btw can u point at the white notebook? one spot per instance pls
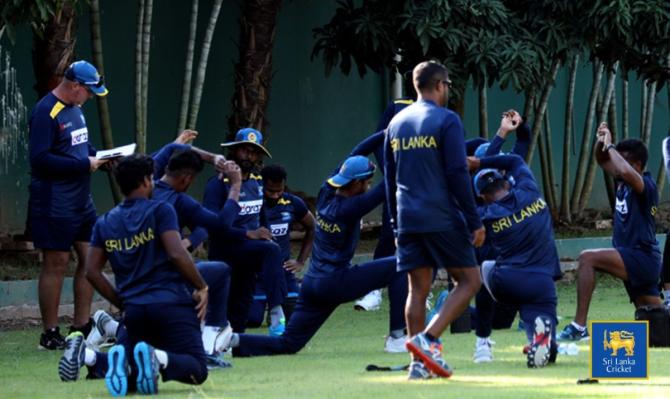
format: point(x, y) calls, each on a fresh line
point(116, 152)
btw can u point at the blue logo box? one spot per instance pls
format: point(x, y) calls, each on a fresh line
point(620, 349)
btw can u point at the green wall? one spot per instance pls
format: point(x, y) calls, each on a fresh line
point(314, 119)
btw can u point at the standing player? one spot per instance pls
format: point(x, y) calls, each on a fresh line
point(665, 275)
point(163, 296)
point(61, 209)
point(247, 247)
point(433, 210)
point(635, 258)
point(519, 230)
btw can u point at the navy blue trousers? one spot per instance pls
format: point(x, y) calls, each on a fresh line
point(217, 277)
point(533, 293)
point(319, 297)
point(246, 258)
point(169, 327)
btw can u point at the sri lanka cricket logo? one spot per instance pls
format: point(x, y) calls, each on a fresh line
point(619, 339)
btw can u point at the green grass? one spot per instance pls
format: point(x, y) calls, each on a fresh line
point(332, 365)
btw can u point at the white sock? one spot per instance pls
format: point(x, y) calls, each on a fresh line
point(482, 341)
point(666, 294)
point(276, 315)
point(89, 357)
point(578, 327)
point(162, 358)
point(235, 341)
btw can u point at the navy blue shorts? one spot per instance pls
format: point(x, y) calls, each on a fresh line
point(59, 234)
point(644, 271)
point(445, 249)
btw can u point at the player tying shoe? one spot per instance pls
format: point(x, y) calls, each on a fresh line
point(154, 276)
point(635, 258)
point(518, 225)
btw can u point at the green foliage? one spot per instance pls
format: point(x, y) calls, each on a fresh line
point(36, 13)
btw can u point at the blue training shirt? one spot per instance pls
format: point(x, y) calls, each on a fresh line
point(130, 235)
point(59, 166)
point(428, 184)
point(519, 225)
point(278, 218)
point(634, 222)
point(193, 215)
point(338, 227)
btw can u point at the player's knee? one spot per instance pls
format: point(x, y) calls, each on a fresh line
point(201, 375)
point(586, 259)
point(292, 347)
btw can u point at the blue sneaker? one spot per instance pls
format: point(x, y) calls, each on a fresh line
point(217, 362)
point(571, 333)
point(418, 371)
point(147, 366)
point(116, 378)
point(73, 357)
point(278, 330)
point(430, 353)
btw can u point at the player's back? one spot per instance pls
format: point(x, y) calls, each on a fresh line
point(418, 136)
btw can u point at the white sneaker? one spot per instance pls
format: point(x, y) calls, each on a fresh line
point(372, 301)
point(483, 351)
point(216, 339)
point(104, 329)
point(395, 345)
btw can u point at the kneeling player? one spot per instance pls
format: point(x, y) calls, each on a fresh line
point(153, 273)
point(518, 224)
point(635, 258)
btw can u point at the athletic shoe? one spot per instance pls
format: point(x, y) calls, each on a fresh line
point(73, 357)
point(371, 301)
point(395, 345)
point(116, 378)
point(430, 353)
point(483, 351)
point(85, 329)
point(274, 331)
point(147, 366)
point(217, 362)
point(571, 333)
point(99, 334)
point(418, 371)
point(540, 349)
point(216, 339)
point(666, 303)
point(51, 340)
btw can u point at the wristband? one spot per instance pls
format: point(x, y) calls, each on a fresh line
point(609, 147)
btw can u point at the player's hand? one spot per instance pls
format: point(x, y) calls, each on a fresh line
point(478, 237)
point(260, 233)
point(604, 135)
point(109, 165)
point(233, 172)
point(219, 163)
point(201, 297)
point(186, 243)
point(96, 163)
point(473, 163)
point(186, 136)
point(293, 265)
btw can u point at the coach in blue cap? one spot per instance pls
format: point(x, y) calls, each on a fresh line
point(60, 205)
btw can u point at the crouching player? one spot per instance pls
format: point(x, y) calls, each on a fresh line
point(155, 277)
point(635, 258)
point(518, 224)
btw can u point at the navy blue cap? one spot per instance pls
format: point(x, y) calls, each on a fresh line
point(84, 73)
point(354, 168)
point(485, 177)
point(248, 136)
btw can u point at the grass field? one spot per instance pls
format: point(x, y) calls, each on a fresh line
point(333, 365)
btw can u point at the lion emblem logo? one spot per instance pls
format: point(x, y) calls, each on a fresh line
point(252, 137)
point(619, 339)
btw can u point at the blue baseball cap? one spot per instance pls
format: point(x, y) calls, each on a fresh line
point(248, 136)
point(485, 177)
point(84, 73)
point(354, 168)
point(480, 152)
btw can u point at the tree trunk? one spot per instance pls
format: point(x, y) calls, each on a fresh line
point(202, 65)
point(625, 130)
point(483, 112)
point(103, 107)
point(53, 49)
point(146, 47)
point(567, 138)
point(253, 72)
point(591, 172)
point(551, 194)
point(140, 137)
point(188, 68)
point(612, 123)
point(544, 100)
point(585, 149)
point(529, 105)
point(644, 110)
point(649, 117)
